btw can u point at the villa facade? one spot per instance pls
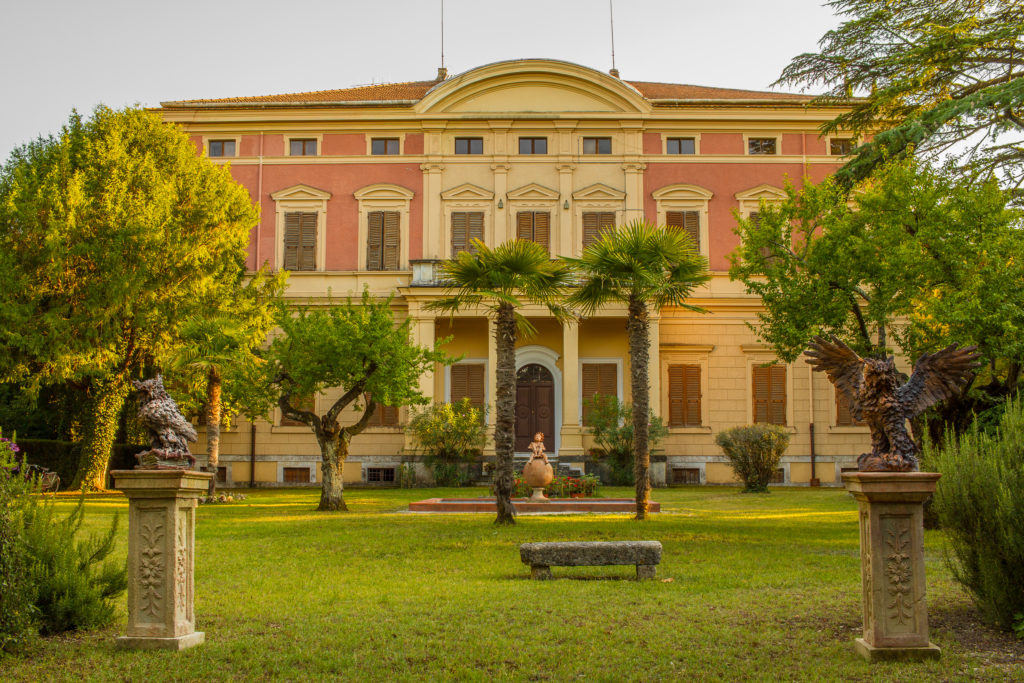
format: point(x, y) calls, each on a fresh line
point(373, 186)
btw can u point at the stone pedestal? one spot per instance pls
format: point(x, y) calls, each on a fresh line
point(892, 563)
point(161, 556)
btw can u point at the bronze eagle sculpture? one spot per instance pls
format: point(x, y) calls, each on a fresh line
point(876, 395)
point(169, 431)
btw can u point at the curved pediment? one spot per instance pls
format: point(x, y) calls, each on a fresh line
point(533, 86)
point(383, 191)
point(766, 192)
point(682, 191)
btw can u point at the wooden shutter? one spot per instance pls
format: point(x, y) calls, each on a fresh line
point(770, 394)
point(524, 225)
point(542, 228)
point(307, 241)
point(392, 240)
point(467, 381)
point(594, 222)
point(688, 221)
point(383, 416)
point(684, 396)
point(476, 230)
point(844, 412)
point(598, 379)
point(291, 241)
point(466, 227)
point(375, 240)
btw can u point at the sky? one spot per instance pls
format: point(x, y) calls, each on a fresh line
point(125, 52)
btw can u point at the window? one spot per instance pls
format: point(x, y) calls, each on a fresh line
point(384, 146)
point(778, 476)
point(382, 240)
point(299, 403)
point(466, 227)
point(295, 475)
point(534, 226)
point(597, 145)
point(839, 147)
point(300, 240)
point(222, 148)
point(222, 474)
point(685, 475)
point(770, 394)
point(599, 380)
point(469, 145)
point(383, 416)
point(684, 396)
point(466, 380)
point(380, 474)
point(844, 412)
point(761, 145)
point(688, 221)
point(680, 146)
point(302, 147)
point(593, 223)
point(533, 145)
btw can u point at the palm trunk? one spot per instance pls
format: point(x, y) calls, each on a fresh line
point(505, 412)
point(213, 387)
point(100, 430)
point(333, 452)
point(637, 325)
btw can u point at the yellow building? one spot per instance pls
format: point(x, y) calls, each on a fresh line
point(373, 186)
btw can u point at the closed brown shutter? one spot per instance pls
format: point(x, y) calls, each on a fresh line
point(300, 241)
point(374, 240)
point(598, 379)
point(689, 221)
point(844, 412)
point(383, 416)
point(392, 239)
point(467, 381)
point(524, 225)
point(534, 226)
point(684, 396)
point(770, 394)
point(466, 227)
point(593, 223)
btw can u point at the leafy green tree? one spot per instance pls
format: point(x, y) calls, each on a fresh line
point(501, 281)
point(358, 348)
point(914, 259)
point(645, 267)
point(220, 364)
point(111, 234)
point(936, 76)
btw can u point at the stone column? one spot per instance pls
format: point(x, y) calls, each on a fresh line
point(654, 365)
point(161, 556)
point(571, 445)
point(892, 563)
point(422, 329)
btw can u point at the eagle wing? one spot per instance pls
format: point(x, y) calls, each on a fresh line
point(936, 377)
point(845, 369)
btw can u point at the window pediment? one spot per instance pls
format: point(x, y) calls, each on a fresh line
point(467, 191)
point(533, 191)
point(383, 191)
point(300, 193)
point(766, 192)
point(598, 192)
point(682, 192)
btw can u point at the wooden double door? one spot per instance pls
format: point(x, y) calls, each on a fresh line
point(535, 407)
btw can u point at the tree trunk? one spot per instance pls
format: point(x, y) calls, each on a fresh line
point(637, 325)
point(98, 435)
point(333, 452)
point(213, 387)
point(505, 412)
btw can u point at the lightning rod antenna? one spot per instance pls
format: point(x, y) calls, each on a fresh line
point(611, 18)
point(442, 72)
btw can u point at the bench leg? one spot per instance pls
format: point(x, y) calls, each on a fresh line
point(645, 571)
point(540, 572)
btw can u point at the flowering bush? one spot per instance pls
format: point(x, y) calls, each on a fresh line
point(584, 486)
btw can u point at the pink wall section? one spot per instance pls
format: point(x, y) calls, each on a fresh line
point(652, 143)
point(721, 143)
point(342, 231)
point(273, 145)
point(414, 143)
point(250, 146)
point(344, 144)
point(724, 180)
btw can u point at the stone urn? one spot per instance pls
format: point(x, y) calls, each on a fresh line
point(537, 474)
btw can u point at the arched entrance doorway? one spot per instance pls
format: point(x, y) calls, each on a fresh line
point(535, 406)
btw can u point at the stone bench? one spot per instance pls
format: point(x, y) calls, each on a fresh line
point(542, 556)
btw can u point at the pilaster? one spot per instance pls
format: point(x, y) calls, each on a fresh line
point(654, 365)
point(433, 227)
point(572, 432)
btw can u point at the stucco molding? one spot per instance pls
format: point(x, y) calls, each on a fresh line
point(467, 191)
point(533, 192)
point(598, 192)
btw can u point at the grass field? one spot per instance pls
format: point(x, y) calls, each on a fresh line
point(750, 587)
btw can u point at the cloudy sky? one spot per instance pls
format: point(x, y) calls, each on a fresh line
point(65, 54)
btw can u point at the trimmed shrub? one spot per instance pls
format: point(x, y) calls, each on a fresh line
point(450, 434)
point(17, 593)
point(611, 425)
point(980, 505)
point(754, 451)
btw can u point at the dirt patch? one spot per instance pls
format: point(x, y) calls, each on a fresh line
point(977, 638)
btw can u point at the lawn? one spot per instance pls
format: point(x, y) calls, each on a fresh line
point(750, 587)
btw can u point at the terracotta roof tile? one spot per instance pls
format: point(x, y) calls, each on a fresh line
point(415, 90)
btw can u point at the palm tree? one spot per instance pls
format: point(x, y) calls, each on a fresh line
point(499, 281)
point(645, 267)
